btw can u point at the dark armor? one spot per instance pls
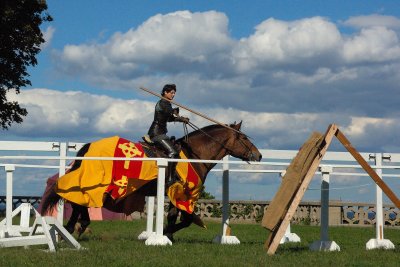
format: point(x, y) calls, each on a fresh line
point(163, 113)
point(158, 132)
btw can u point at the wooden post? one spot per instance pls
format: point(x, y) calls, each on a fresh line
point(275, 236)
point(385, 188)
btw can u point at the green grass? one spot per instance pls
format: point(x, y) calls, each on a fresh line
point(115, 244)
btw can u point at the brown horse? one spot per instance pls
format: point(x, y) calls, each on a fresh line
point(209, 143)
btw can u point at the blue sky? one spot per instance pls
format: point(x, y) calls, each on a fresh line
point(286, 68)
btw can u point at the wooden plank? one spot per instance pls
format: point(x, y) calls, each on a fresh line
point(385, 188)
point(294, 175)
point(275, 237)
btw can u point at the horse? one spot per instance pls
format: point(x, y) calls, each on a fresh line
point(212, 142)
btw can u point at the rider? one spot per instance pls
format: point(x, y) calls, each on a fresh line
point(158, 130)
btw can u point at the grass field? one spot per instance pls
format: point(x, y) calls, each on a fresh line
point(115, 244)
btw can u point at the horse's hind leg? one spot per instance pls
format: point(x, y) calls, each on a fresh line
point(81, 213)
point(73, 219)
point(84, 220)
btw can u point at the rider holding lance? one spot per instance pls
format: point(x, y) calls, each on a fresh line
point(158, 130)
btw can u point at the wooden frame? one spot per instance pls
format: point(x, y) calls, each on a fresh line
point(278, 232)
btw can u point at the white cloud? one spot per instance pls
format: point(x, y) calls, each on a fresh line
point(372, 21)
point(189, 36)
point(359, 125)
point(74, 114)
point(276, 41)
point(375, 44)
point(200, 43)
point(121, 116)
point(284, 80)
point(165, 43)
point(47, 36)
point(77, 115)
point(295, 66)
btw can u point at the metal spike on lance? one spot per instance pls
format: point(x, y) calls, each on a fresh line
point(190, 110)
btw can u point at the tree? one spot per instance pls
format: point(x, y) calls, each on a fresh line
point(206, 195)
point(20, 40)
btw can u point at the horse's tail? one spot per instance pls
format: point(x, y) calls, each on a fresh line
point(52, 198)
point(50, 201)
point(80, 153)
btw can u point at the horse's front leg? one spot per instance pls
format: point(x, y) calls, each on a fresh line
point(171, 221)
point(186, 221)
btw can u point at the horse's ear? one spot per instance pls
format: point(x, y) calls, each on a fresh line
point(237, 126)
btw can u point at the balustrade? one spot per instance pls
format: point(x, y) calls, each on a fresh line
point(308, 212)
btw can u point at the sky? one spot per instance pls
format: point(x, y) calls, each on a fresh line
point(285, 68)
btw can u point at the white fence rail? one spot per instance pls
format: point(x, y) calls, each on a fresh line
point(276, 161)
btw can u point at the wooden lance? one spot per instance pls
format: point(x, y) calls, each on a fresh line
point(190, 110)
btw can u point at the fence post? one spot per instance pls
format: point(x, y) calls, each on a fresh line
point(9, 168)
point(6, 227)
point(61, 172)
point(225, 237)
point(379, 241)
point(149, 220)
point(159, 238)
point(324, 243)
point(289, 236)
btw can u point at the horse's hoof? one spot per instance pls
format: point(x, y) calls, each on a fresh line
point(170, 237)
point(69, 229)
point(82, 227)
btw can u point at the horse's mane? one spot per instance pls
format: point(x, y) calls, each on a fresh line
point(200, 131)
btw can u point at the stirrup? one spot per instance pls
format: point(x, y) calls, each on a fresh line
point(147, 139)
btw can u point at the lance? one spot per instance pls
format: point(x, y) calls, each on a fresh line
point(188, 109)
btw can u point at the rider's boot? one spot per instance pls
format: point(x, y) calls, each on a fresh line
point(172, 175)
point(172, 154)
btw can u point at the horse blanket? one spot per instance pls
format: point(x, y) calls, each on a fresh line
point(87, 185)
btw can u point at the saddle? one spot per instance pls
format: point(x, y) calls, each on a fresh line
point(152, 150)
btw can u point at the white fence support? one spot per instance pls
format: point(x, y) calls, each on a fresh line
point(324, 244)
point(289, 237)
point(150, 219)
point(61, 172)
point(225, 237)
point(10, 235)
point(379, 241)
point(9, 232)
point(159, 238)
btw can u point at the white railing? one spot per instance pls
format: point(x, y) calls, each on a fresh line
point(333, 164)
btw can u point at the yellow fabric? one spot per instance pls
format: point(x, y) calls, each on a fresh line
point(148, 172)
point(86, 185)
point(185, 193)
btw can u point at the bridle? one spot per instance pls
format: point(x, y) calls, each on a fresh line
point(247, 155)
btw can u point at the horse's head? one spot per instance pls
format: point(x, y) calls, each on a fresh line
point(239, 145)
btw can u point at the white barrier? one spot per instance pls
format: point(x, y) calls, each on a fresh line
point(283, 158)
point(43, 231)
